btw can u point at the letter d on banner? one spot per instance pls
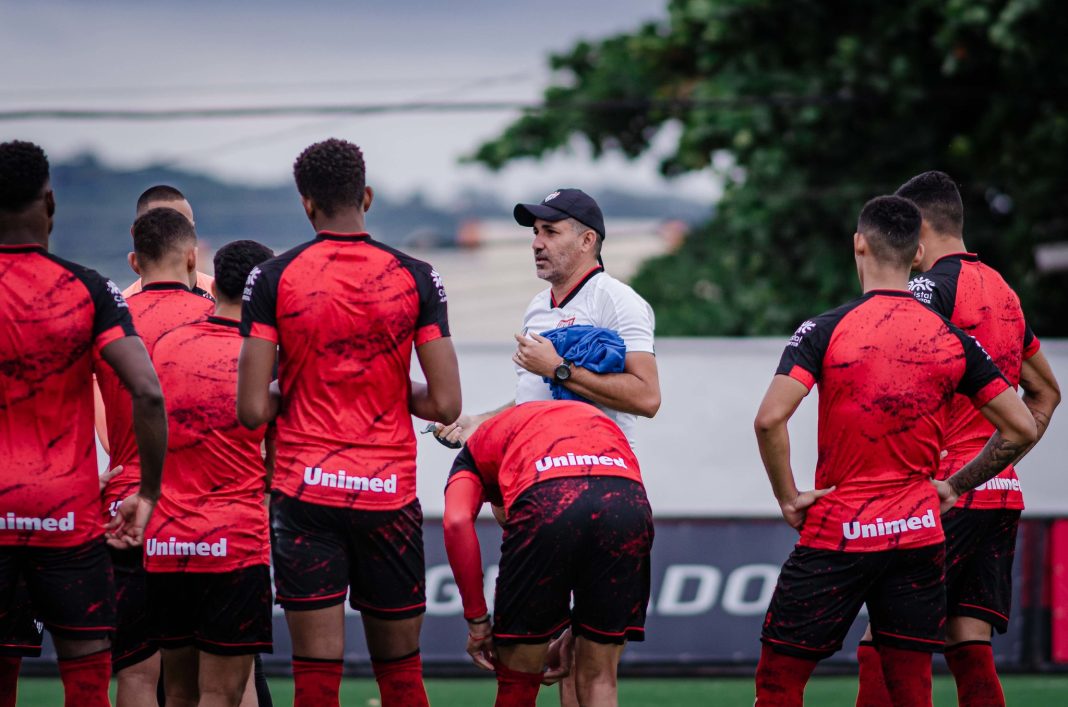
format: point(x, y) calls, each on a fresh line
point(673, 591)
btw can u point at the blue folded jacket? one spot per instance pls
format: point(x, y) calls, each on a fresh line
point(594, 348)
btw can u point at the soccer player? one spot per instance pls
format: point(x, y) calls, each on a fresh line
point(578, 521)
point(981, 529)
point(887, 368)
point(168, 197)
point(165, 257)
point(344, 311)
point(206, 547)
point(54, 315)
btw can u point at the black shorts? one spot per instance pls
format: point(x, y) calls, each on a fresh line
point(820, 592)
point(587, 536)
point(20, 631)
point(223, 613)
point(71, 589)
point(980, 547)
point(321, 552)
point(133, 640)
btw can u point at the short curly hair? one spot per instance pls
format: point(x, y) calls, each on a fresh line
point(331, 173)
point(23, 174)
point(938, 198)
point(161, 231)
point(891, 224)
point(233, 262)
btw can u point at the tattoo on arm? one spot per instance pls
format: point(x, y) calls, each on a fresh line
point(991, 461)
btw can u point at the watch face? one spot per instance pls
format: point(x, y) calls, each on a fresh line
point(563, 372)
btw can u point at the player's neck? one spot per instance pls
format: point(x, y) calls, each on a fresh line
point(15, 232)
point(565, 287)
point(348, 221)
point(937, 248)
point(884, 278)
point(228, 310)
point(164, 274)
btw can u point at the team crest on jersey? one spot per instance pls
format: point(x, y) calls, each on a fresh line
point(116, 294)
point(922, 288)
point(246, 295)
point(565, 322)
point(439, 285)
point(805, 328)
point(551, 197)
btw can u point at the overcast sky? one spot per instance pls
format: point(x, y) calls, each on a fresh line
point(200, 53)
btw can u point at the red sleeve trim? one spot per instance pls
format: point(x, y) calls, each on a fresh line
point(108, 336)
point(802, 376)
point(427, 334)
point(989, 391)
point(1032, 348)
point(264, 331)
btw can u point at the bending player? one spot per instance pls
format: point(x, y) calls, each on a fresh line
point(54, 315)
point(981, 528)
point(345, 311)
point(887, 368)
point(577, 521)
point(206, 547)
point(165, 258)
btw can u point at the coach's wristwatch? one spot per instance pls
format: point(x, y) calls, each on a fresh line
point(562, 372)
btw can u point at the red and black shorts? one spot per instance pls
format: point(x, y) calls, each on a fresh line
point(321, 552)
point(820, 593)
point(980, 547)
point(20, 632)
point(71, 590)
point(584, 536)
point(223, 613)
point(133, 640)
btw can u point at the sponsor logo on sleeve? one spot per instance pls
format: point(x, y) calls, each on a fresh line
point(802, 330)
point(922, 288)
point(439, 284)
point(116, 294)
point(246, 295)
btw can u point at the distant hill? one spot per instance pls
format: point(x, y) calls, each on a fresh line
point(95, 207)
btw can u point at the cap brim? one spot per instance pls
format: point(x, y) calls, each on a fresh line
point(527, 214)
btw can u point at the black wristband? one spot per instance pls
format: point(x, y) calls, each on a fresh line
point(484, 620)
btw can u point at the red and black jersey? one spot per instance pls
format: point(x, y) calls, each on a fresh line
point(158, 308)
point(976, 298)
point(211, 515)
point(345, 311)
point(887, 369)
point(54, 315)
point(543, 440)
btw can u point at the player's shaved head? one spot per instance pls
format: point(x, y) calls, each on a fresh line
point(23, 175)
point(332, 175)
point(164, 195)
point(162, 232)
point(937, 196)
point(233, 262)
point(891, 227)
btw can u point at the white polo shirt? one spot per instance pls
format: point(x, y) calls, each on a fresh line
point(598, 300)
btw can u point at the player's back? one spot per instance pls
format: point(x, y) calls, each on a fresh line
point(214, 478)
point(158, 308)
point(976, 298)
point(53, 315)
point(345, 311)
point(887, 368)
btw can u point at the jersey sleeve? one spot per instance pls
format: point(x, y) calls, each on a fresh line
point(982, 380)
point(464, 465)
point(462, 502)
point(937, 288)
point(111, 314)
point(1031, 344)
point(259, 302)
point(632, 317)
point(433, 320)
point(802, 359)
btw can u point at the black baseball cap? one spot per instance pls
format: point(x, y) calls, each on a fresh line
point(561, 204)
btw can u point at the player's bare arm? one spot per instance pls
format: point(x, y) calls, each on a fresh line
point(1016, 432)
point(779, 404)
point(439, 398)
point(256, 404)
point(1042, 393)
point(636, 390)
point(465, 425)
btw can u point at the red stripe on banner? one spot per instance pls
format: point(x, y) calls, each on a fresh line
point(1058, 545)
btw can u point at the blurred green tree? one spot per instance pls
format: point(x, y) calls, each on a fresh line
point(807, 109)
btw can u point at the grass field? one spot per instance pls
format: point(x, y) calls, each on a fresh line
point(823, 692)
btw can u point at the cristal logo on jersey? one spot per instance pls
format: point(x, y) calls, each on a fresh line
point(116, 294)
point(551, 197)
point(246, 295)
point(922, 288)
point(571, 459)
point(880, 528)
point(439, 284)
point(805, 328)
